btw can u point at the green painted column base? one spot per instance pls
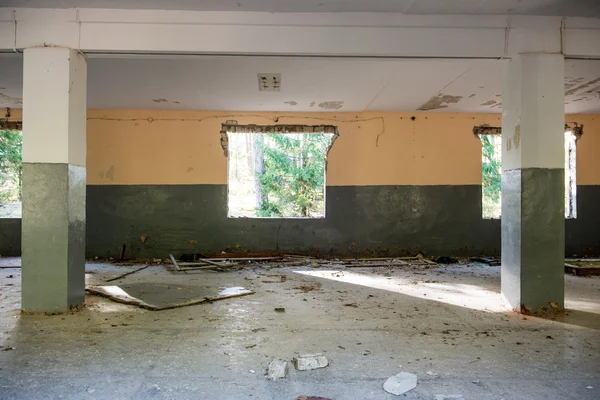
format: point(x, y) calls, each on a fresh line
point(533, 239)
point(53, 237)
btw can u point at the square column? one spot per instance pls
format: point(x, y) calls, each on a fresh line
point(54, 179)
point(533, 198)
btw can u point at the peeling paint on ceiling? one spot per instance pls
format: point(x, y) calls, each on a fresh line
point(291, 103)
point(576, 89)
point(489, 103)
point(331, 105)
point(439, 101)
point(6, 99)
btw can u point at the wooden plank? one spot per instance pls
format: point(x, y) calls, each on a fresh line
point(586, 270)
point(174, 262)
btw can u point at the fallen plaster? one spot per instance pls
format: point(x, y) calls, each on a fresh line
point(439, 101)
point(331, 105)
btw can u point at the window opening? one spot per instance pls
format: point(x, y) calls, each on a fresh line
point(11, 170)
point(274, 174)
point(491, 171)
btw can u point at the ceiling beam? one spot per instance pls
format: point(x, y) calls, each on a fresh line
point(337, 35)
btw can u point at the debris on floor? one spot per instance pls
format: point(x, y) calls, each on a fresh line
point(446, 260)
point(128, 273)
point(203, 263)
point(491, 261)
point(308, 287)
point(582, 267)
point(157, 297)
point(307, 362)
point(400, 383)
point(279, 309)
point(191, 262)
point(312, 398)
point(277, 369)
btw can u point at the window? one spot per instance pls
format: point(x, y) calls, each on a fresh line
point(491, 171)
point(10, 170)
point(491, 175)
point(570, 177)
point(277, 171)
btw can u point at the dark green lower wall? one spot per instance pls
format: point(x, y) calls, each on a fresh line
point(10, 237)
point(582, 234)
point(440, 220)
point(360, 219)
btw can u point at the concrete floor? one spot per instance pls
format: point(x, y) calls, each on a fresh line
point(446, 324)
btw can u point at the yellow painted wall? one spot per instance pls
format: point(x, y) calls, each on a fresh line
point(183, 147)
point(588, 149)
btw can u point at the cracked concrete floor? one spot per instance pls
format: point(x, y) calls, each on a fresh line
point(446, 324)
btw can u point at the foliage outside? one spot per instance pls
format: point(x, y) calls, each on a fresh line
point(11, 172)
point(491, 174)
point(277, 175)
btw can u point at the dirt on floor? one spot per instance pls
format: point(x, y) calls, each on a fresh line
point(445, 323)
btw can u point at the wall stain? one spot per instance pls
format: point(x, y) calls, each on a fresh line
point(439, 101)
point(190, 169)
point(331, 105)
point(110, 174)
point(160, 100)
point(517, 136)
point(473, 95)
point(291, 103)
point(489, 103)
point(312, 104)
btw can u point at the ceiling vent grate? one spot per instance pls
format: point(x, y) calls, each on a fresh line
point(269, 82)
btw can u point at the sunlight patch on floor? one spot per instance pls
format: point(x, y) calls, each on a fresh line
point(462, 295)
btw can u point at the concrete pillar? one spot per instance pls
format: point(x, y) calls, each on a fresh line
point(54, 180)
point(533, 219)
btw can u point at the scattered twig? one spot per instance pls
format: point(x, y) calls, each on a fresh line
point(128, 273)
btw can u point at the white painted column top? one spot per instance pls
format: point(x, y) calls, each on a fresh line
point(54, 106)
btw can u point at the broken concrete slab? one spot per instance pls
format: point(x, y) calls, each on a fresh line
point(306, 362)
point(277, 369)
point(158, 296)
point(400, 383)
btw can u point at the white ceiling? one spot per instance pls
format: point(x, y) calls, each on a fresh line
point(569, 8)
point(230, 83)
